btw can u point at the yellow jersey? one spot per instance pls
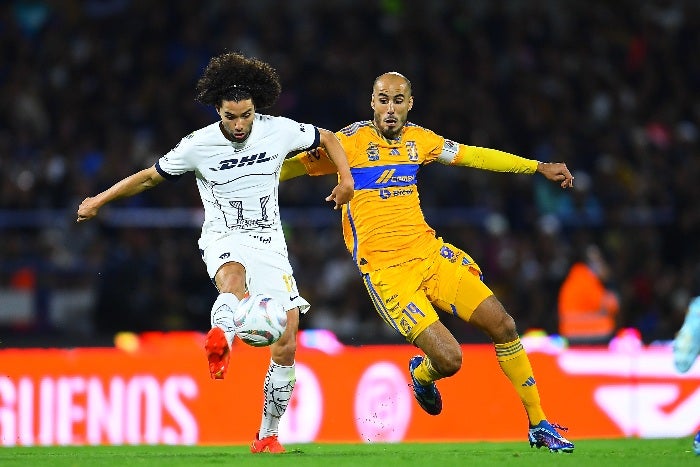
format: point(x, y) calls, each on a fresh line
point(383, 225)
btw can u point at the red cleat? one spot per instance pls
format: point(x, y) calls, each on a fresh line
point(217, 352)
point(270, 445)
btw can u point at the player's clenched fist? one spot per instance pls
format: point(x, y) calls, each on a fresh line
point(87, 209)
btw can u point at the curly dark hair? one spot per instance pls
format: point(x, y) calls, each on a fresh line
point(235, 77)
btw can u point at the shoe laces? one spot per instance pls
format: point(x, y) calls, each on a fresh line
point(424, 390)
point(559, 427)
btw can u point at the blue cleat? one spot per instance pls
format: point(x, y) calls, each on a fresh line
point(544, 434)
point(428, 397)
point(696, 444)
point(686, 345)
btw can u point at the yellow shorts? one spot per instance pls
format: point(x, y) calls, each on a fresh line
point(406, 295)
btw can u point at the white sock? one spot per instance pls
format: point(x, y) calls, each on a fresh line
point(278, 387)
point(222, 314)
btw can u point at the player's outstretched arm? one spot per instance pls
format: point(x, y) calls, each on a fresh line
point(500, 161)
point(556, 172)
point(129, 186)
point(345, 190)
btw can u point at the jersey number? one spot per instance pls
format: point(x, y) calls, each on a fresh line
point(241, 222)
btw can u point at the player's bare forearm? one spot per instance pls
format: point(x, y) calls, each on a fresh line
point(345, 190)
point(129, 186)
point(336, 153)
point(556, 172)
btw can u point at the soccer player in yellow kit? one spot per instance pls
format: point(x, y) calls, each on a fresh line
point(408, 271)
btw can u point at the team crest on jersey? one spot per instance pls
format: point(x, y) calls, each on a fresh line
point(412, 151)
point(449, 253)
point(372, 152)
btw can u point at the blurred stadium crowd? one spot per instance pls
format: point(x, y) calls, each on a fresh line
point(94, 90)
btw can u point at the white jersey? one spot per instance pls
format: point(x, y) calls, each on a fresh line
point(238, 182)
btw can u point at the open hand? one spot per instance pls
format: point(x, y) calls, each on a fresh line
point(342, 193)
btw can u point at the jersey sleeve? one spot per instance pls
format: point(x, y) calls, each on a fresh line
point(178, 160)
point(454, 153)
point(433, 144)
point(317, 162)
point(303, 135)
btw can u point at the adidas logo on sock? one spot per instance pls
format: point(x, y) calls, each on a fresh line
point(529, 382)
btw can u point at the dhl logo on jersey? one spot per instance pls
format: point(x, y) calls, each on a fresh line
point(242, 162)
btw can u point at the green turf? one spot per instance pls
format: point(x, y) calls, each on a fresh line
point(598, 453)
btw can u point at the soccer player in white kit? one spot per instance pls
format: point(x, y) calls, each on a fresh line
point(236, 162)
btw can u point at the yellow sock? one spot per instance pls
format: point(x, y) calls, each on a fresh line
point(425, 373)
point(516, 366)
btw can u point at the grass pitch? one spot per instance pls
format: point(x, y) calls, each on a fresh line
point(598, 453)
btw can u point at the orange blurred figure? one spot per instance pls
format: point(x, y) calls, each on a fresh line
point(587, 308)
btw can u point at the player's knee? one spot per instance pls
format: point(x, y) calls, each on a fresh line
point(231, 278)
point(506, 329)
point(449, 362)
point(495, 321)
point(454, 364)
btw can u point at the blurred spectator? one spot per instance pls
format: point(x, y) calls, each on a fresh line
point(587, 307)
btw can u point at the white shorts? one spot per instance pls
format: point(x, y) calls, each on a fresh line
point(267, 267)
